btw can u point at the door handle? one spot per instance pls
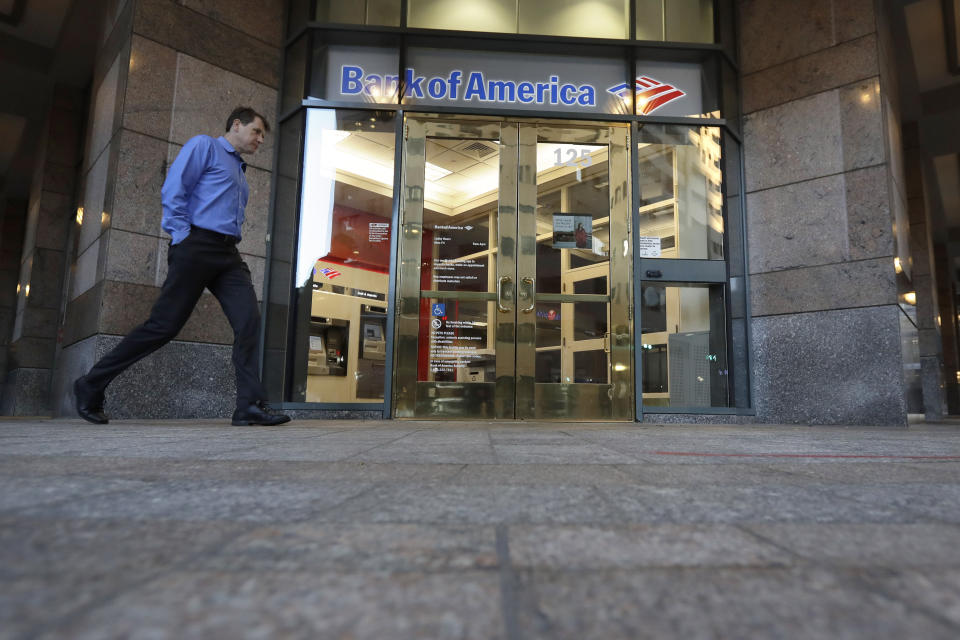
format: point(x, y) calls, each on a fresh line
point(531, 293)
point(503, 280)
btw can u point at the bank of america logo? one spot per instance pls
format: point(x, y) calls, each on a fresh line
point(328, 272)
point(651, 94)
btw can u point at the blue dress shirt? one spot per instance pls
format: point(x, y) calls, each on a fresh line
point(205, 187)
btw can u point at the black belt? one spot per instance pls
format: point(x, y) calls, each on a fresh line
point(215, 235)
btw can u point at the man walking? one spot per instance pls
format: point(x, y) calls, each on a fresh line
point(204, 197)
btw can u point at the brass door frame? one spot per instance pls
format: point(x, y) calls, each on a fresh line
point(515, 393)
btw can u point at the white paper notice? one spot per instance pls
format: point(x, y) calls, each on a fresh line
point(649, 246)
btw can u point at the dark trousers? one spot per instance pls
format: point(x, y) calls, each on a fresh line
point(202, 260)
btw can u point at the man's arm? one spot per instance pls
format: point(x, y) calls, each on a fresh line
point(178, 187)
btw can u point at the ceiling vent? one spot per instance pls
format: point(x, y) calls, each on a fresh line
point(477, 149)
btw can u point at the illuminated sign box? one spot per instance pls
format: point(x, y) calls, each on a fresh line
point(508, 81)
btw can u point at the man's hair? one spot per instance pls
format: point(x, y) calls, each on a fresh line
point(246, 115)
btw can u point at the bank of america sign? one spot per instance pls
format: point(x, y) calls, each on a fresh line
point(650, 93)
point(477, 87)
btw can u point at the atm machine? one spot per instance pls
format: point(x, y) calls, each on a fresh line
point(328, 347)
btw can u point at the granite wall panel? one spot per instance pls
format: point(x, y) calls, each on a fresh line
point(834, 286)
point(94, 196)
point(205, 96)
point(53, 222)
point(181, 380)
point(868, 213)
point(796, 225)
point(827, 69)
point(262, 19)
point(103, 112)
point(27, 393)
point(131, 257)
point(150, 83)
point(862, 122)
point(254, 240)
point(204, 38)
point(126, 306)
point(824, 356)
point(74, 361)
point(774, 31)
point(141, 169)
point(797, 141)
point(82, 317)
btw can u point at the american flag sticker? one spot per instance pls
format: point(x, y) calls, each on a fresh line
point(651, 94)
point(328, 272)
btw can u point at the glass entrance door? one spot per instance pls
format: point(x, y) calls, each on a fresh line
point(514, 291)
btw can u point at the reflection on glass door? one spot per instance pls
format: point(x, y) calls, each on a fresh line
point(682, 306)
point(514, 272)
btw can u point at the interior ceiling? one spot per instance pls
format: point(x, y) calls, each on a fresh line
point(40, 23)
point(925, 26)
point(42, 43)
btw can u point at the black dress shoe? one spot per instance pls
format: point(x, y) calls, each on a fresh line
point(89, 403)
point(258, 413)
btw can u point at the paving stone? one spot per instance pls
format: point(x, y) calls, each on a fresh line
point(621, 547)
point(866, 545)
point(479, 504)
point(724, 603)
point(357, 548)
point(204, 501)
point(202, 605)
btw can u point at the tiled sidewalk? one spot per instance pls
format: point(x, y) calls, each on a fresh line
point(393, 530)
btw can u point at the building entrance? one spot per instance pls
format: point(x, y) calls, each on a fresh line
point(515, 266)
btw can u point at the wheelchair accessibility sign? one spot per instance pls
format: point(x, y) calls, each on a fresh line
point(439, 310)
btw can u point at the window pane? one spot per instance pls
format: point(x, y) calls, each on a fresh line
point(384, 12)
point(339, 11)
point(688, 331)
point(338, 73)
point(689, 20)
point(680, 196)
point(341, 274)
point(597, 19)
point(649, 19)
point(573, 258)
point(477, 15)
point(458, 249)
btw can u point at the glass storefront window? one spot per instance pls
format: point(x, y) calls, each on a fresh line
point(341, 272)
point(576, 18)
point(496, 16)
point(680, 192)
point(379, 12)
point(684, 345)
point(675, 20)
point(367, 73)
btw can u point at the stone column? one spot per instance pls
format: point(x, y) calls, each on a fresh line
point(42, 259)
point(168, 71)
point(821, 246)
point(923, 278)
point(13, 214)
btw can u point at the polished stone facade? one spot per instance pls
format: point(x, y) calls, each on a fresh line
point(167, 71)
point(826, 327)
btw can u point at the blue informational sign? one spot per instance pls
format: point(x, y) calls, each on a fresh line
point(439, 310)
